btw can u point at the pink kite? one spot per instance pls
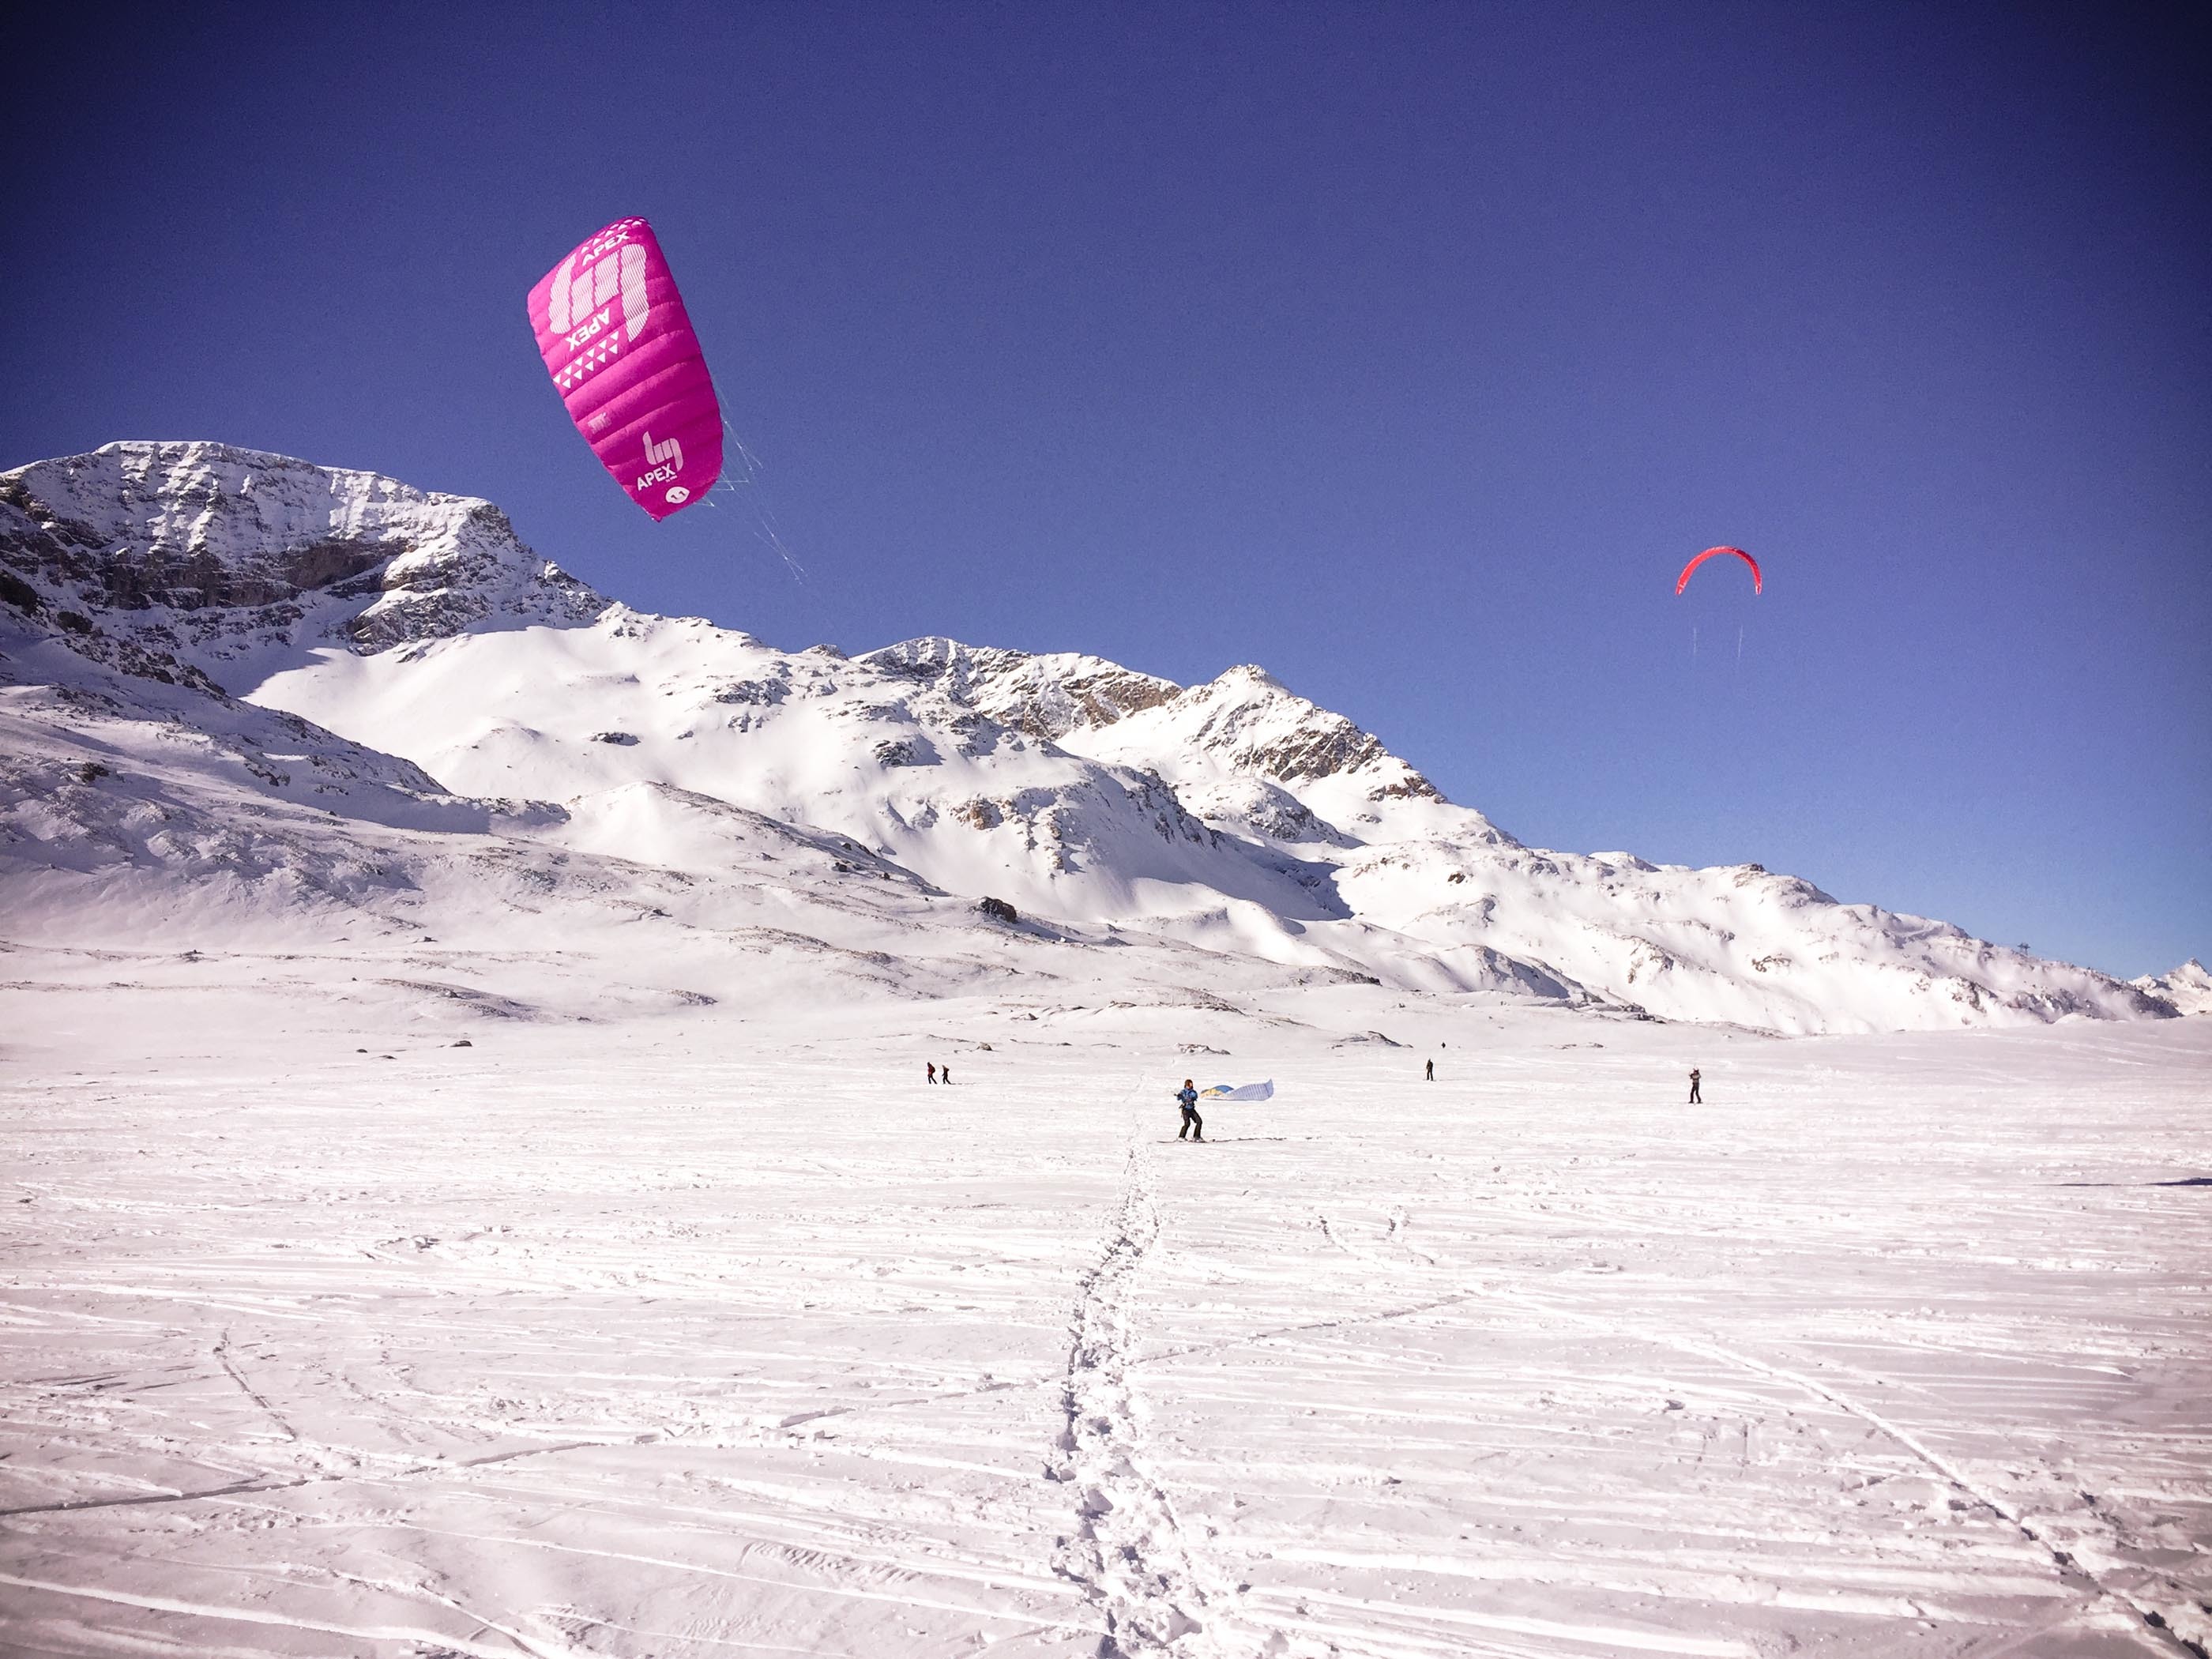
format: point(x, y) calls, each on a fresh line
point(1683, 580)
point(623, 356)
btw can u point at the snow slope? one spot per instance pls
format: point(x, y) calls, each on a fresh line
point(1233, 817)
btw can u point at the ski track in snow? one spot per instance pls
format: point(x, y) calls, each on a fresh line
point(674, 1338)
point(2152, 1618)
point(1130, 1551)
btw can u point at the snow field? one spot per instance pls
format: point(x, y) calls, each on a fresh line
point(705, 1335)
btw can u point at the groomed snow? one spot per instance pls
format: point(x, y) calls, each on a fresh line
point(720, 1332)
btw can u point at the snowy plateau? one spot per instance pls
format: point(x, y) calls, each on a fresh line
point(473, 1189)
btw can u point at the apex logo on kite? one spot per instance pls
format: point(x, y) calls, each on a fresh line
point(577, 336)
point(575, 293)
point(665, 460)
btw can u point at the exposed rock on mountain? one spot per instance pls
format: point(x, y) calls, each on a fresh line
point(1044, 696)
point(2188, 987)
point(210, 549)
point(293, 675)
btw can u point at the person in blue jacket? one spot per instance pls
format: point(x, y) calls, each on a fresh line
point(1187, 1097)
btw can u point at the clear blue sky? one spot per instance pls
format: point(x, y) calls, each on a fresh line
point(1407, 350)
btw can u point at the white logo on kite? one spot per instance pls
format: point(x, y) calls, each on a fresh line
point(677, 494)
point(576, 293)
point(664, 460)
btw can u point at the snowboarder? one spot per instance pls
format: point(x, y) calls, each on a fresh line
point(932, 1071)
point(1429, 1072)
point(1187, 1097)
point(1694, 1101)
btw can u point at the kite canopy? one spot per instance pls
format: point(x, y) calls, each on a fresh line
point(1239, 1092)
point(1683, 580)
point(622, 354)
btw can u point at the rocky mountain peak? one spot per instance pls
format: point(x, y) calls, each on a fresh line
point(1245, 716)
point(1257, 725)
point(2187, 988)
point(1046, 695)
point(1250, 673)
point(190, 548)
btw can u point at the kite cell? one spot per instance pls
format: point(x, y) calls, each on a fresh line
point(1239, 1092)
point(1683, 580)
point(622, 354)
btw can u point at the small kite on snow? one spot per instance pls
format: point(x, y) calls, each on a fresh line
point(1239, 1092)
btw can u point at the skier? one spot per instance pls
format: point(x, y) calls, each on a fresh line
point(932, 1071)
point(944, 1074)
point(1187, 1097)
point(1694, 1101)
point(1429, 1072)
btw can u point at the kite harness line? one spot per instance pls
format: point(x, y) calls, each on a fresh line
point(1758, 585)
point(741, 483)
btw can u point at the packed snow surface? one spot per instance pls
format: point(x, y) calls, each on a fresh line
point(721, 1332)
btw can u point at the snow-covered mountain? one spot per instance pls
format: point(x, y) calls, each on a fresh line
point(238, 686)
point(2188, 987)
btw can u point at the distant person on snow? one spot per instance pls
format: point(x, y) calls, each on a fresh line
point(1694, 1101)
point(932, 1071)
point(944, 1074)
point(1429, 1072)
point(1187, 1097)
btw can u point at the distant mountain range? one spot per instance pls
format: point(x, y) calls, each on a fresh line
point(242, 697)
